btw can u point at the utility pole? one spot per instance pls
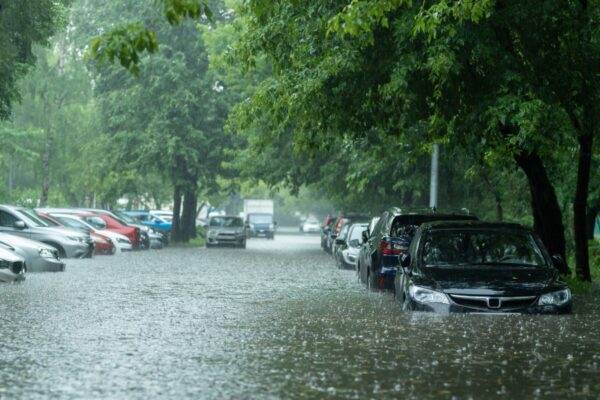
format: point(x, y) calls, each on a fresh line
point(433, 189)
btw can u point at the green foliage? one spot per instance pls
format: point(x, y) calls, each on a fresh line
point(128, 42)
point(124, 44)
point(22, 24)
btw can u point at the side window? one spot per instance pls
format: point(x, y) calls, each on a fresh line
point(7, 219)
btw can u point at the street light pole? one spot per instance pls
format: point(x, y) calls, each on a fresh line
point(433, 189)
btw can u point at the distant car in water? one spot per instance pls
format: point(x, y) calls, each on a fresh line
point(310, 225)
point(226, 231)
point(153, 221)
point(12, 267)
point(38, 256)
point(480, 267)
point(349, 246)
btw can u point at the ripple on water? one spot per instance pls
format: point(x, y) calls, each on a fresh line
point(277, 320)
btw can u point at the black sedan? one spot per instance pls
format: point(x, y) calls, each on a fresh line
point(480, 267)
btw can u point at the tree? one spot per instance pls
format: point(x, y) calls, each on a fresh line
point(22, 24)
point(469, 74)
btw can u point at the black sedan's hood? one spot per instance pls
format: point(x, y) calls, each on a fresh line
point(490, 280)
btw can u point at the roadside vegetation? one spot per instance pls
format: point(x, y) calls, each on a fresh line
point(193, 102)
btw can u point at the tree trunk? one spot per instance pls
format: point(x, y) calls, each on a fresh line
point(188, 216)
point(582, 262)
point(46, 168)
point(176, 226)
point(547, 215)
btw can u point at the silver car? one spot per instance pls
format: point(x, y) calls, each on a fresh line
point(12, 267)
point(38, 256)
point(24, 222)
point(226, 230)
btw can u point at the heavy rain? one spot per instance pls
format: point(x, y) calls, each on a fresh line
point(275, 321)
point(261, 199)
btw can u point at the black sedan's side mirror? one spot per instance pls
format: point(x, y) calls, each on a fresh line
point(558, 261)
point(20, 225)
point(365, 236)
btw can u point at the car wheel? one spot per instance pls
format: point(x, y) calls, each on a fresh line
point(61, 251)
point(208, 245)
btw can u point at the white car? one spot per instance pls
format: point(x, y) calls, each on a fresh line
point(121, 242)
point(310, 225)
point(12, 267)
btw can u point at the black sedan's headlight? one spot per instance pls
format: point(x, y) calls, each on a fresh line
point(557, 298)
point(425, 296)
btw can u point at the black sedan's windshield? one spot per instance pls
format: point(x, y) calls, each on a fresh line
point(447, 247)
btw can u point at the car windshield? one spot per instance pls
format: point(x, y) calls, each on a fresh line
point(260, 219)
point(33, 217)
point(344, 232)
point(125, 219)
point(96, 222)
point(356, 232)
point(226, 222)
point(447, 247)
point(74, 223)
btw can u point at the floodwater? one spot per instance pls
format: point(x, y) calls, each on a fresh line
point(274, 321)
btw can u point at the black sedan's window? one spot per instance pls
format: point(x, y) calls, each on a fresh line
point(480, 247)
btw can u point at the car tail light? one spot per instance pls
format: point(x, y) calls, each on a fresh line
point(388, 247)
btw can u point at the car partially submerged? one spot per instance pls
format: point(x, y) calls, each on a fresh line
point(226, 231)
point(479, 267)
point(38, 256)
point(12, 267)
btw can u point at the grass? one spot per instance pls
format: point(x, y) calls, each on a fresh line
point(578, 286)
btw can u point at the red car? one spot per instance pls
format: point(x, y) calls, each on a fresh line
point(102, 221)
point(102, 243)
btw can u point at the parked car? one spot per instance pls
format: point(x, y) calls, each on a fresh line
point(325, 236)
point(149, 238)
point(12, 267)
point(363, 250)
point(104, 221)
point(38, 256)
point(153, 221)
point(226, 230)
point(120, 242)
point(349, 246)
point(310, 225)
point(391, 237)
point(480, 267)
point(24, 222)
point(343, 220)
point(102, 243)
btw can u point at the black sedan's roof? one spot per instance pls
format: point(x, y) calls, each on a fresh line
point(473, 224)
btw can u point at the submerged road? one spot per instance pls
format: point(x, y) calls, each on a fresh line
point(274, 321)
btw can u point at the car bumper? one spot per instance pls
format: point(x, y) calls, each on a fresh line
point(46, 265)
point(78, 250)
point(456, 308)
point(7, 275)
point(261, 233)
point(217, 241)
point(385, 277)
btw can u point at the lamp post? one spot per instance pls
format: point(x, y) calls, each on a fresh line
point(433, 188)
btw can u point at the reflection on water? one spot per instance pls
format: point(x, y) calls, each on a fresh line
point(277, 320)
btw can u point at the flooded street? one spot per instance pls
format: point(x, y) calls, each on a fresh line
point(276, 320)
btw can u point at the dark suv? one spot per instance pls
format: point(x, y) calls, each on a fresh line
point(391, 236)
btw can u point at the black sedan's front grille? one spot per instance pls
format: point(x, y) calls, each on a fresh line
point(493, 303)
